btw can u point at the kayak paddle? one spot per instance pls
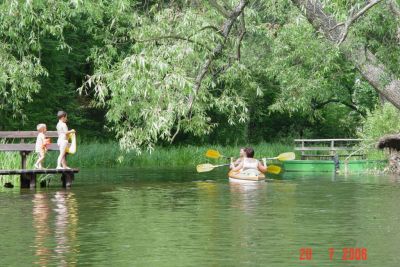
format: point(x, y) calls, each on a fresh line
point(214, 154)
point(274, 169)
point(211, 153)
point(285, 156)
point(209, 167)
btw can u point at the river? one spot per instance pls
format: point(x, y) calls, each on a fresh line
point(171, 217)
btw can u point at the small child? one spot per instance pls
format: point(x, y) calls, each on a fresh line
point(62, 141)
point(41, 143)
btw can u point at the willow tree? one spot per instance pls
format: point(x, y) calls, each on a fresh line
point(380, 76)
point(159, 68)
point(162, 67)
point(22, 25)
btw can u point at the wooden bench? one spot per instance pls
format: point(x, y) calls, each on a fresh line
point(28, 176)
point(328, 148)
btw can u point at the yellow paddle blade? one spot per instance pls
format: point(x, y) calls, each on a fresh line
point(204, 167)
point(213, 154)
point(274, 169)
point(286, 156)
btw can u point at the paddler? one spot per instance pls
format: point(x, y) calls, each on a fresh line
point(242, 155)
point(249, 163)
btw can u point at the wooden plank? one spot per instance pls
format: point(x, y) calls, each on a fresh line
point(24, 147)
point(326, 140)
point(38, 171)
point(17, 147)
point(324, 148)
point(330, 156)
point(25, 134)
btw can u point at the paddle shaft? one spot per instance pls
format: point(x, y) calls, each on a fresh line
point(215, 166)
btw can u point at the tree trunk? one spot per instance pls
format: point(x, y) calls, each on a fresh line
point(381, 78)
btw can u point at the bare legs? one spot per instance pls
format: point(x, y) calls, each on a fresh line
point(38, 164)
point(61, 161)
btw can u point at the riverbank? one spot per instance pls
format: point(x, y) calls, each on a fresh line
point(110, 155)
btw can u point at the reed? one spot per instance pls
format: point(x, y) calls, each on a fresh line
point(12, 160)
point(110, 155)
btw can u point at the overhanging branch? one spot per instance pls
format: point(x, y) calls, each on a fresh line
point(177, 37)
point(394, 7)
point(377, 74)
point(226, 29)
point(220, 8)
point(353, 17)
point(241, 35)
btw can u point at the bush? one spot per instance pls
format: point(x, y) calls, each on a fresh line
point(383, 120)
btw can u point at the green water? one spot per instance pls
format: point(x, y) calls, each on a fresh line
point(180, 218)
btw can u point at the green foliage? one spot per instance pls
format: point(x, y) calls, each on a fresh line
point(148, 83)
point(96, 154)
point(22, 25)
point(383, 120)
point(313, 74)
point(137, 64)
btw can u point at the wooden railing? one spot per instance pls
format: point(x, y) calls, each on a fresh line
point(328, 148)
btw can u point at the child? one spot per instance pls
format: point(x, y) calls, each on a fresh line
point(41, 142)
point(62, 141)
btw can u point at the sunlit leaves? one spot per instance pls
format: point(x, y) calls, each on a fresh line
point(22, 24)
point(383, 120)
point(146, 85)
point(312, 73)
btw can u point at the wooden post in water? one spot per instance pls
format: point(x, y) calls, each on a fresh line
point(67, 179)
point(32, 182)
point(25, 181)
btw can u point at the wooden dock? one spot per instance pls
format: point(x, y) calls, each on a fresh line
point(328, 148)
point(28, 176)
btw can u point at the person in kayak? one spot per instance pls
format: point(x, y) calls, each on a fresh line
point(249, 164)
point(242, 155)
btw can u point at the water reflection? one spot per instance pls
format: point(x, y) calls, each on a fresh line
point(64, 227)
point(246, 195)
point(41, 213)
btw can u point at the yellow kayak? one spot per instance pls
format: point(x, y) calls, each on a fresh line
point(243, 176)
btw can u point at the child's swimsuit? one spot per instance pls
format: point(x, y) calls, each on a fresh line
point(62, 130)
point(40, 141)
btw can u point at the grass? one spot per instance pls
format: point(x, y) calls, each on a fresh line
point(109, 155)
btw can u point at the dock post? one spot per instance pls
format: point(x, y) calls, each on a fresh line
point(32, 178)
point(25, 181)
point(67, 178)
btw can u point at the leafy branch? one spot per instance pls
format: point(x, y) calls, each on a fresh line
point(354, 15)
point(226, 29)
point(176, 37)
